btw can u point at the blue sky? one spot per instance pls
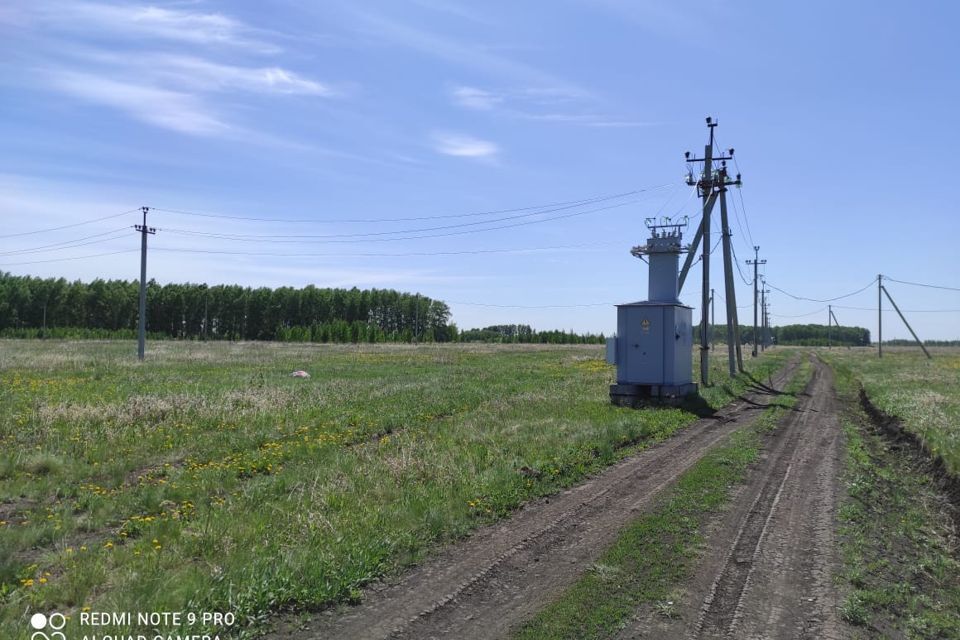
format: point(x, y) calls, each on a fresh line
point(843, 116)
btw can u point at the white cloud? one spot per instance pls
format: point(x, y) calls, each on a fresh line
point(464, 146)
point(172, 110)
point(473, 98)
point(205, 75)
point(452, 50)
point(530, 103)
point(153, 22)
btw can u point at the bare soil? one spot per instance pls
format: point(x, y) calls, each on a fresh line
point(487, 584)
point(768, 569)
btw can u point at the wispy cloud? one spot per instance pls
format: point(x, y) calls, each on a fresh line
point(172, 110)
point(538, 104)
point(478, 58)
point(155, 65)
point(473, 98)
point(464, 146)
point(147, 21)
point(202, 74)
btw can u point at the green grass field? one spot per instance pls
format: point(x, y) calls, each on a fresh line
point(924, 394)
point(207, 479)
point(898, 539)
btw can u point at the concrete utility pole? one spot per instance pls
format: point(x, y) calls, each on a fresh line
point(902, 317)
point(713, 319)
point(831, 316)
point(880, 315)
point(709, 187)
point(756, 262)
point(733, 321)
point(763, 306)
point(829, 319)
point(142, 329)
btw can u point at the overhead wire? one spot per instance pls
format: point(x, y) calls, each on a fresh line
point(68, 226)
point(837, 306)
point(95, 255)
point(736, 261)
point(562, 205)
point(799, 315)
point(846, 295)
point(414, 237)
point(68, 244)
point(920, 284)
point(521, 306)
point(385, 255)
point(370, 234)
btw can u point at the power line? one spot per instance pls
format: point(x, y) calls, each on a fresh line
point(736, 261)
point(67, 226)
point(564, 205)
point(417, 237)
point(743, 206)
point(799, 315)
point(68, 244)
point(519, 306)
point(95, 255)
point(847, 295)
point(837, 306)
point(384, 255)
point(245, 236)
point(920, 284)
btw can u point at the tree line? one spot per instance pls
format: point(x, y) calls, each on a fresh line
point(523, 333)
point(54, 307)
point(809, 335)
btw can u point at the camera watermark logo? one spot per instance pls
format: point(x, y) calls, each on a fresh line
point(48, 627)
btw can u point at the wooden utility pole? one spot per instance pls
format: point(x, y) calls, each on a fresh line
point(142, 328)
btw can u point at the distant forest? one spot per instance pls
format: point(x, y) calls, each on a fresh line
point(37, 307)
point(53, 307)
point(809, 335)
point(522, 333)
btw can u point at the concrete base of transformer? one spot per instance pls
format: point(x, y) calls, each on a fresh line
point(636, 395)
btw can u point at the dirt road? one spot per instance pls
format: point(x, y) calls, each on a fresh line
point(767, 573)
point(485, 585)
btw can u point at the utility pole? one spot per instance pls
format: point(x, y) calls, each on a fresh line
point(416, 315)
point(733, 322)
point(829, 318)
point(142, 329)
point(713, 319)
point(879, 315)
point(902, 317)
point(763, 306)
point(833, 316)
point(709, 187)
point(756, 262)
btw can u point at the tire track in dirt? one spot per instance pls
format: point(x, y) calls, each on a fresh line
point(768, 571)
point(503, 574)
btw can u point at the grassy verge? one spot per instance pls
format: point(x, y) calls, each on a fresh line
point(898, 545)
point(924, 394)
point(208, 479)
point(657, 552)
